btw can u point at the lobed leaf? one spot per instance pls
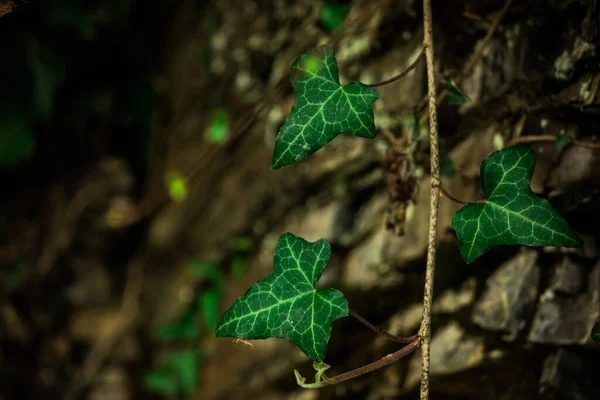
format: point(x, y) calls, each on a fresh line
point(322, 109)
point(455, 96)
point(286, 304)
point(512, 214)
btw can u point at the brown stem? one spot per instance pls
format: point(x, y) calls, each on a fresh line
point(401, 74)
point(425, 330)
point(472, 61)
point(552, 138)
point(382, 362)
point(387, 335)
point(454, 199)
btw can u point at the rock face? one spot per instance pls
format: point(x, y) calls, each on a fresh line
point(453, 350)
point(510, 295)
point(567, 277)
point(566, 376)
point(567, 319)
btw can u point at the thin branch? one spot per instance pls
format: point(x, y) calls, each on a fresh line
point(387, 335)
point(382, 362)
point(472, 61)
point(425, 330)
point(454, 199)
point(401, 74)
point(552, 138)
point(470, 64)
point(322, 380)
point(124, 322)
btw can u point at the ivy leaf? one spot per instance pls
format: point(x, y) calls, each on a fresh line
point(562, 141)
point(455, 96)
point(332, 15)
point(323, 109)
point(512, 214)
point(285, 304)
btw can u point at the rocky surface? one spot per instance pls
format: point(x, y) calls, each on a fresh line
point(510, 295)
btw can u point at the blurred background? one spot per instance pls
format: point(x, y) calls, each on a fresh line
point(138, 201)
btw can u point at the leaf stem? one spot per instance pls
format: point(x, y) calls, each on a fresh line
point(382, 362)
point(322, 380)
point(401, 74)
point(454, 199)
point(376, 329)
point(552, 138)
point(425, 330)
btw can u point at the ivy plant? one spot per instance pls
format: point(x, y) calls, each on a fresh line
point(286, 303)
point(323, 109)
point(511, 214)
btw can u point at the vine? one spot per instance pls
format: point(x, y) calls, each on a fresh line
point(286, 303)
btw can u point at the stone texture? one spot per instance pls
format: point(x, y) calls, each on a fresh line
point(452, 351)
point(367, 265)
point(452, 301)
point(576, 164)
point(567, 277)
point(510, 295)
point(567, 320)
point(568, 376)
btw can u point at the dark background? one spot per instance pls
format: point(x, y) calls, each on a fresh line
point(111, 284)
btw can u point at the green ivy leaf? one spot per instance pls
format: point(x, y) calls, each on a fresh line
point(512, 214)
point(455, 96)
point(285, 304)
point(322, 109)
point(562, 141)
point(333, 15)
